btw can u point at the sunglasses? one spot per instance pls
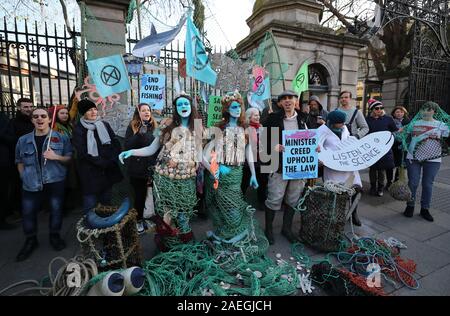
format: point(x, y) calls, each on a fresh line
point(36, 116)
point(379, 108)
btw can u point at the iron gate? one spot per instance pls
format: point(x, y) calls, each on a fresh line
point(430, 53)
point(34, 63)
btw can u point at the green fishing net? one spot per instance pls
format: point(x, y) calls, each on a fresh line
point(414, 143)
point(177, 199)
point(192, 270)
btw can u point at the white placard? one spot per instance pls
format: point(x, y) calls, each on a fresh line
point(357, 154)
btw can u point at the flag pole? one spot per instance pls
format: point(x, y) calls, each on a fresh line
point(51, 131)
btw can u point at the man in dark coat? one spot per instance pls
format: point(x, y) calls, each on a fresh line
point(97, 151)
point(6, 168)
point(317, 116)
point(279, 190)
point(21, 125)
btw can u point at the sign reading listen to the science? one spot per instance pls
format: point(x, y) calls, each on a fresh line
point(300, 158)
point(153, 90)
point(357, 154)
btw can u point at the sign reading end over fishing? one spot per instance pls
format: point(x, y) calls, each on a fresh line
point(300, 158)
point(153, 90)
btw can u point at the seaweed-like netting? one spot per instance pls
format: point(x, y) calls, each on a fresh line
point(237, 234)
point(175, 198)
point(192, 270)
point(405, 136)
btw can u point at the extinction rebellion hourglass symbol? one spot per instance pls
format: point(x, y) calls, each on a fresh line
point(110, 75)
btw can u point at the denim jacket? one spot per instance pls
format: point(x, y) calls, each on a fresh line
point(33, 176)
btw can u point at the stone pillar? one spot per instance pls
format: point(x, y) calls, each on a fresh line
point(349, 70)
point(104, 29)
point(392, 92)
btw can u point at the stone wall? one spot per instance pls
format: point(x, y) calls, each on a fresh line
point(394, 92)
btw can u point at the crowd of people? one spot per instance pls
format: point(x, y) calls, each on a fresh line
point(43, 160)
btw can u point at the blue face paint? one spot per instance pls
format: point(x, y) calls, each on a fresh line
point(235, 109)
point(183, 107)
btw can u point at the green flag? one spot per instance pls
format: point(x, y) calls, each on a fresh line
point(301, 80)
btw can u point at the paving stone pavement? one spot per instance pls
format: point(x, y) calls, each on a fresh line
point(428, 243)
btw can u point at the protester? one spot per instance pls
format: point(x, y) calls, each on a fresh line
point(139, 134)
point(278, 189)
point(317, 116)
point(21, 125)
point(41, 158)
point(254, 131)
point(400, 116)
point(355, 121)
point(330, 136)
point(97, 149)
point(424, 155)
point(275, 106)
point(62, 124)
point(378, 121)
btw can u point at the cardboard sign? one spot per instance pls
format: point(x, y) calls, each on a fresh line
point(214, 110)
point(300, 158)
point(153, 90)
point(358, 154)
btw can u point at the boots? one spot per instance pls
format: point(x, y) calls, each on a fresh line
point(270, 215)
point(287, 224)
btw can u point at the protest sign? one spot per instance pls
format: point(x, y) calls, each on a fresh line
point(153, 90)
point(300, 158)
point(109, 74)
point(357, 154)
point(214, 110)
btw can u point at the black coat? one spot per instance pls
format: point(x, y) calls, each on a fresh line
point(7, 142)
point(397, 148)
point(97, 173)
point(139, 167)
point(276, 120)
point(382, 124)
point(21, 125)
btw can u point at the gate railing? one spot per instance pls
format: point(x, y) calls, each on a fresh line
point(36, 64)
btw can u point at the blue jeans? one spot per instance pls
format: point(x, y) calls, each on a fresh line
point(430, 170)
point(32, 203)
point(90, 200)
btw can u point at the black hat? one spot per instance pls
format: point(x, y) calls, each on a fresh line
point(85, 105)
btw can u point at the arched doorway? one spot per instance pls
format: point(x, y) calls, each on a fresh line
point(319, 82)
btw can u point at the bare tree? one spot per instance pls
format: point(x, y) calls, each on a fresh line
point(396, 36)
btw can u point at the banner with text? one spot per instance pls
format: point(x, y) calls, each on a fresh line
point(214, 110)
point(153, 91)
point(300, 158)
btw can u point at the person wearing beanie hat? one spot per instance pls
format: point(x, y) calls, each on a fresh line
point(97, 149)
point(85, 105)
point(372, 104)
point(330, 136)
point(379, 122)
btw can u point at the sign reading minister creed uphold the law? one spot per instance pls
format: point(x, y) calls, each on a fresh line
point(358, 154)
point(300, 159)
